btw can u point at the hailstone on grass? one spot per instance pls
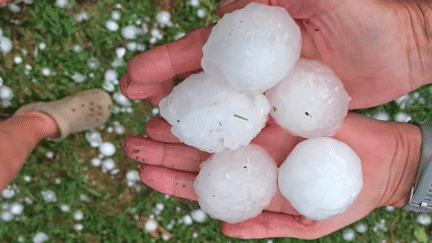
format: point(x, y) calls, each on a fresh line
point(321, 177)
point(211, 117)
point(309, 102)
point(236, 185)
point(252, 48)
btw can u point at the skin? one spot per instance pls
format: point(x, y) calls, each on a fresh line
point(378, 49)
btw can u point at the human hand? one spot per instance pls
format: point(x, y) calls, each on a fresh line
point(389, 152)
point(377, 48)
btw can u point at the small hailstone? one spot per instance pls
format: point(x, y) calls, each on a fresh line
point(194, 3)
point(349, 234)
point(389, 208)
point(121, 99)
point(160, 206)
point(62, 3)
point(8, 192)
point(151, 225)
point(110, 75)
point(6, 216)
point(132, 175)
point(165, 237)
point(129, 110)
point(309, 102)
point(115, 15)
point(64, 207)
point(424, 219)
point(57, 181)
point(93, 63)
point(253, 48)
point(211, 117)
point(28, 67)
point(108, 164)
point(21, 238)
point(164, 19)
point(156, 33)
point(179, 35)
point(77, 48)
point(18, 59)
point(14, 8)
point(78, 215)
point(40, 237)
point(141, 47)
point(119, 129)
point(42, 46)
point(361, 228)
point(6, 93)
point(96, 162)
point(194, 234)
point(110, 129)
point(107, 149)
point(402, 117)
point(131, 46)
point(120, 52)
point(115, 171)
point(49, 154)
point(94, 138)
point(108, 86)
point(16, 208)
point(155, 111)
point(382, 116)
point(236, 185)
point(130, 32)
point(321, 177)
point(49, 196)
point(78, 78)
point(198, 216)
point(5, 44)
point(27, 178)
point(78, 227)
point(117, 62)
point(118, 6)
point(81, 17)
point(187, 219)
point(380, 226)
point(201, 13)
point(46, 71)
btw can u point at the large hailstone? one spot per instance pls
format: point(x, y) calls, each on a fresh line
point(253, 48)
point(309, 102)
point(321, 177)
point(211, 117)
point(236, 185)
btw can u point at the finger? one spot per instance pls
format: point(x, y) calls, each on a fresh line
point(165, 62)
point(173, 156)
point(144, 91)
point(168, 181)
point(281, 205)
point(159, 129)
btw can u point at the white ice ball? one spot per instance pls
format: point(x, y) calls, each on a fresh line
point(252, 48)
point(130, 32)
point(321, 177)
point(5, 44)
point(111, 25)
point(236, 185)
point(309, 102)
point(107, 149)
point(210, 117)
point(6, 93)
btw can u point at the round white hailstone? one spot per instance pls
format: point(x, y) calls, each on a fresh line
point(115, 15)
point(6, 93)
point(28, 67)
point(49, 196)
point(120, 52)
point(155, 111)
point(380, 226)
point(117, 62)
point(389, 208)
point(5, 44)
point(402, 117)
point(107, 149)
point(40, 237)
point(153, 40)
point(49, 154)
point(42, 46)
point(198, 216)
point(108, 86)
point(236, 185)
point(179, 35)
point(151, 225)
point(141, 47)
point(187, 220)
point(57, 181)
point(93, 63)
point(156, 34)
point(118, 6)
point(349, 234)
point(110, 75)
point(64, 208)
point(8, 193)
point(78, 215)
point(164, 19)
point(361, 228)
point(210, 117)
point(309, 102)
point(321, 177)
point(131, 46)
point(382, 116)
point(81, 17)
point(61, 3)
point(424, 219)
point(132, 175)
point(201, 13)
point(165, 237)
point(129, 110)
point(16, 208)
point(130, 32)
point(21, 238)
point(46, 71)
point(195, 235)
point(108, 164)
point(121, 99)
point(27, 178)
point(110, 129)
point(78, 227)
point(253, 48)
point(115, 171)
point(159, 206)
point(77, 48)
point(78, 78)
point(18, 59)
point(6, 216)
point(194, 3)
point(94, 138)
point(14, 8)
point(119, 129)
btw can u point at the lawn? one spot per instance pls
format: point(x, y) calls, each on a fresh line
point(67, 191)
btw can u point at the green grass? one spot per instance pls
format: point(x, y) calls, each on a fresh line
point(107, 216)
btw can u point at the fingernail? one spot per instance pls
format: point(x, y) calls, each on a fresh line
point(225, 3)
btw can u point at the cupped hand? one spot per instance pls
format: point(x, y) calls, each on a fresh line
point(389, 152)
point(377, 48)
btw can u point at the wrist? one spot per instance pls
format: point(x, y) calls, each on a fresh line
point(406, 165)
